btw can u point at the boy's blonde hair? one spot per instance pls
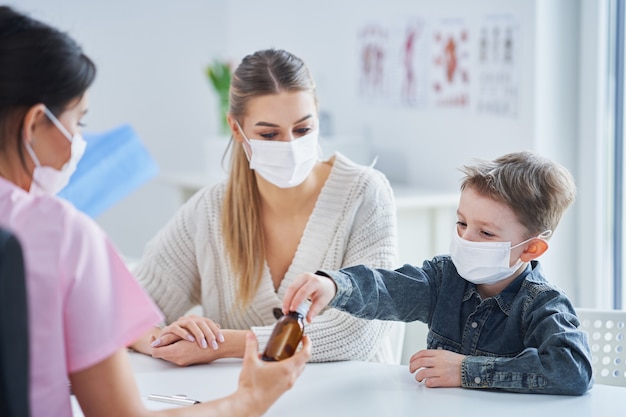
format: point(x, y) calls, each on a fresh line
point(535, 188)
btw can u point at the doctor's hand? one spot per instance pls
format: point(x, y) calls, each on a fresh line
point(317, 288)
point(262, 383)
point(438, 368)
point(201, 330)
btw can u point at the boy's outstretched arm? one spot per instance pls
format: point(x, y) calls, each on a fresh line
point(319, 289)
point(404, 294)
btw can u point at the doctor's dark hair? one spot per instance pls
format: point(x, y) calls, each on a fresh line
point(536, 189)
point(38, 64)
point(262, 73)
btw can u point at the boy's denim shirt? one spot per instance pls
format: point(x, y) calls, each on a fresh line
point(525, 339)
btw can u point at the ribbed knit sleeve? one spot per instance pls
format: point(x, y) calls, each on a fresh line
point(168, 269)
point(373, 236)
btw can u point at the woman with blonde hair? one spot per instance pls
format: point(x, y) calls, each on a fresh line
point(84, 306)
point(235, 247)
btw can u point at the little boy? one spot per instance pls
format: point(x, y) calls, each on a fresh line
point(494, 321)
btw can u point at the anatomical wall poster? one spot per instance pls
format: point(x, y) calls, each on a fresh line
point(450, 63)
point(497, 66)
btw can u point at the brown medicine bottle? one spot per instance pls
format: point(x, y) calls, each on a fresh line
point(286, 335)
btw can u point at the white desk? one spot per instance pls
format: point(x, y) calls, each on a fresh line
point(367, 389)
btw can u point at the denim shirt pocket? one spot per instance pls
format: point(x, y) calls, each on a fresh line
point(437, 341)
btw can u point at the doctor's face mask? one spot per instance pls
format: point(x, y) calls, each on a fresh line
point(49, 180)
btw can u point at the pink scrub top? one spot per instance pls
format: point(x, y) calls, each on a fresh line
point(83, 302)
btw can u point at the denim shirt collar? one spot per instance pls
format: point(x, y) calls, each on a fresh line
point(507, 296)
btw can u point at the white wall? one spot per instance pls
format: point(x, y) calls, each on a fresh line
point(555, 133)
point(151, 56)
point(431, 143)
point(594, 264)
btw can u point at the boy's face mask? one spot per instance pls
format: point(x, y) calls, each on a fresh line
point(485, 262)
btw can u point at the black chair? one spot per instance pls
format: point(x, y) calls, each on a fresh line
point(14, 388)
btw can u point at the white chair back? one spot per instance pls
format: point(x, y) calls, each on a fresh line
point(607, 331)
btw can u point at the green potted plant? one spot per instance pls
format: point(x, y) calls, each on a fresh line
point(219, 74)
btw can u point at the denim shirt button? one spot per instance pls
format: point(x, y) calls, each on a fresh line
point(474, 325)
point(477, 380)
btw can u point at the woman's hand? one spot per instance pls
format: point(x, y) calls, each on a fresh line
point(319, 289)
point(439, 368)
point(262, 383)
point(201, 330)
point(184, 352)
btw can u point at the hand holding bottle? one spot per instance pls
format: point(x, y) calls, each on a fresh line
point(317, 288)
point(262, 383)
point(286, 335)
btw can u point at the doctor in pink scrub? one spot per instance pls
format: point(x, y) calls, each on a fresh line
point(84, 305)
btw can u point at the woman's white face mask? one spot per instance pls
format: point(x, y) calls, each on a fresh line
point(49, 180)
point(284, 164)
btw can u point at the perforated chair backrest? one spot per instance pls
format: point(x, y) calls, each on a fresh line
point(14, 399)
point(607, 331)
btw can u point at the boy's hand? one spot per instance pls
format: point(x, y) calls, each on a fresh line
point(319, 289)
point(440, 368)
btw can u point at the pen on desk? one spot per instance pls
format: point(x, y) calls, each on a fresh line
point(173, 399)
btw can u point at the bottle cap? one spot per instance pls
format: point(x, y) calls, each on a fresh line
point(303, 308)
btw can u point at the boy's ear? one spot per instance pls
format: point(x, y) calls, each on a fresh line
point(535, 249)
